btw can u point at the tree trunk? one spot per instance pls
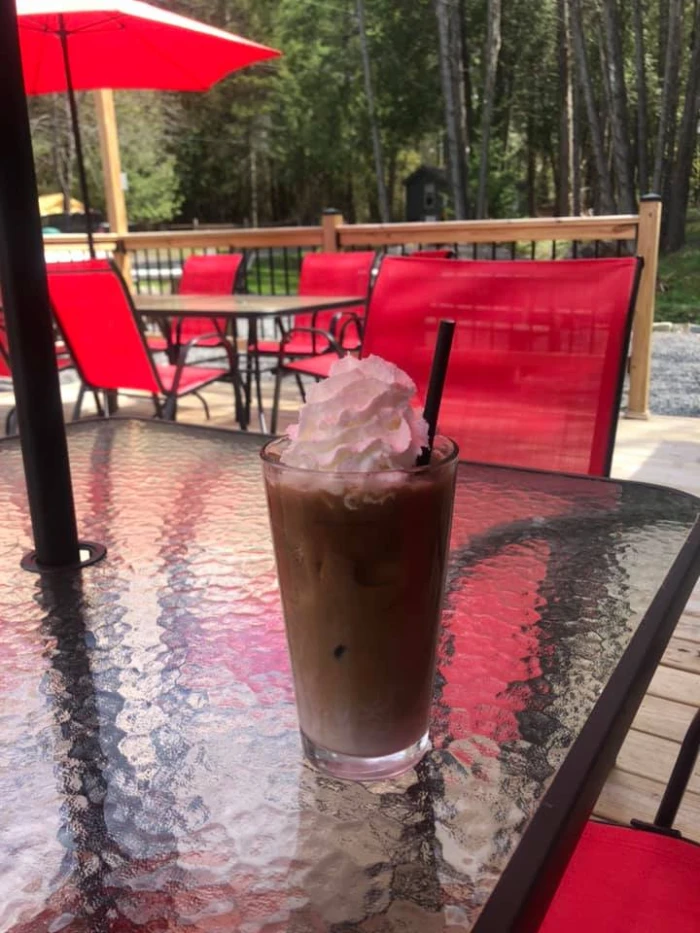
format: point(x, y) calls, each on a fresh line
point(682, 170)
point(443, 11)
point(466, 89)
point(457, 43)
point(62, 148)
point(391, 179)
point(607, 200)
point(531, 167)
point(669, 94)
point(661, 38)
point(642, 105)
point(254, 211)
point(566, 115)
point(618, 105)
point(493, 47)
point(382, 201)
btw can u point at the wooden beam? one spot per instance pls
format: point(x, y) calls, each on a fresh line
point(330, 223)
point(617, 227)
point(111, 161)
point(640, 361)
point(112, 174)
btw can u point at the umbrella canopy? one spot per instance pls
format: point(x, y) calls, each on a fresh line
point(81, 45)
point(125, 44)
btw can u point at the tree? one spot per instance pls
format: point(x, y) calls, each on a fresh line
point(642, 103)
point(384, 212)
point(622, 156)
point(566, 111)
point(669, 94)
point(562, 100)
point(450, 73)
point(677, 207)
point(607, 200)
point(493, 47)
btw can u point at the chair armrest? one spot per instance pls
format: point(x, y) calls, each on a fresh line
point(348, 318)
point(191, 344)
point(314, 331)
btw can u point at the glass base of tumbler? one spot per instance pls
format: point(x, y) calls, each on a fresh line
point(358, 768)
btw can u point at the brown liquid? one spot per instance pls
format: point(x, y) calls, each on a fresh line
point(362, 589)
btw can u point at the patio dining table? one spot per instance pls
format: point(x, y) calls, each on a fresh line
point(151, 773)
point(252, 308)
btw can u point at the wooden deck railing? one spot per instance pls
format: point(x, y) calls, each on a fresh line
point(274, 255)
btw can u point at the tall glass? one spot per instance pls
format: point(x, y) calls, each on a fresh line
point(361, 561)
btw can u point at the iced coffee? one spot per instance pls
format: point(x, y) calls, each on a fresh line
point(361, 537)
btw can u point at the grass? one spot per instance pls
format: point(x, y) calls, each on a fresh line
point(678, 291)
point(282, 285)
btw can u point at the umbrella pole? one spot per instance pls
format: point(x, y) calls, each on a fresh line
point(82, 177)
point(28, 320)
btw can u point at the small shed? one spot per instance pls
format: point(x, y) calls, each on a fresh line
point(425, 193)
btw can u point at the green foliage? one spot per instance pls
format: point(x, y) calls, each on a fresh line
point(281, 141)
point(678, 295)
point(153, 193)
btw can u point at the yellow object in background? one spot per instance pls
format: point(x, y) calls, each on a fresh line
point(53, 204)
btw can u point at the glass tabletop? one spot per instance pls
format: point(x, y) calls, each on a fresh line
point(246, 306)
point(150, 765)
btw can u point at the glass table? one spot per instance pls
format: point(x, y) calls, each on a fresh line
point(150, 766)
point(250, 308)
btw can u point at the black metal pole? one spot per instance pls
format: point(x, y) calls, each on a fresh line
point(682, 771)
point(28, 319)
point(82, 177)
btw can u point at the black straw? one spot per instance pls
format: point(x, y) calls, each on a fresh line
point(438, 373)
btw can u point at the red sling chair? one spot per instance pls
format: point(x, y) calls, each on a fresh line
point(105, 338)
point(201, 275)
point(644, 879)
point(537, 364)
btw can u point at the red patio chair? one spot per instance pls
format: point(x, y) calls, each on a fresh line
point(338, 343)
point(312, 336)
point(433, 253)
point(537, 363)
point(105, 338)
point(644, 879)
point(201, 275)
point(63, 361)
point(326, 274)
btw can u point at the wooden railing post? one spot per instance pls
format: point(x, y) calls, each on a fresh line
point(111, 168)
point(640, 361)
point(329, 222)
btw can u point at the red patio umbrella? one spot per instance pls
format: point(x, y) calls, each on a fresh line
point(70, 45)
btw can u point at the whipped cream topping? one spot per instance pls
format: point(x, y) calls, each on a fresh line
point(360, 419)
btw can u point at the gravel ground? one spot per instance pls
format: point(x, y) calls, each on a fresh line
point(675, 374)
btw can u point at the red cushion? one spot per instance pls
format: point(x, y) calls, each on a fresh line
point(624, 880)
point(299, 345)
point(192, 377)
point(157, 344)
point(314, 366)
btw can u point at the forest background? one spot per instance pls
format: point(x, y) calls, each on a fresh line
point(530, 107)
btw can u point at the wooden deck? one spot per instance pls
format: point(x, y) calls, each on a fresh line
point(667, 451)
point(662, 450)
